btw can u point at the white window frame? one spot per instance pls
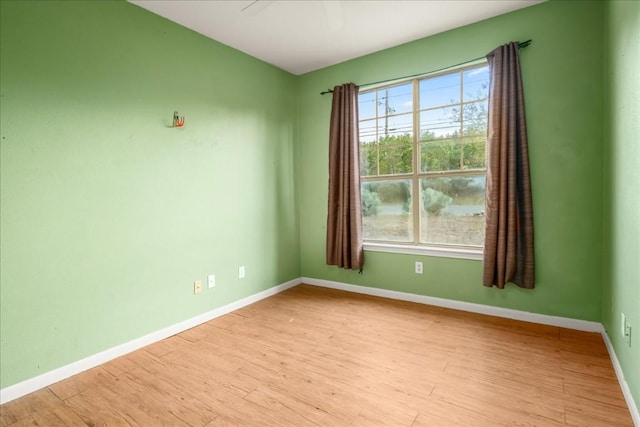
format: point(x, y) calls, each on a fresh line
point(414, 248)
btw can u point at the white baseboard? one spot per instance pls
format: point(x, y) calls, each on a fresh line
point(20, 389)
point(563, 322)
point(635, 415)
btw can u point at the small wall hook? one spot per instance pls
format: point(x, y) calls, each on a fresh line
point(178, 121)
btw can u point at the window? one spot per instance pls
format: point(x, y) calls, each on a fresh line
point(422, 159)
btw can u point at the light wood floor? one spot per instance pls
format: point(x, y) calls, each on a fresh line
point(311, 356)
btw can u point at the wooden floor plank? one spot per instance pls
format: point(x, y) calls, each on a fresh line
point(582, 412)
point(502, 404)
point(311, 356)
point(436, 412)
point(589, 364)
point(594, 388)
point(26, 422)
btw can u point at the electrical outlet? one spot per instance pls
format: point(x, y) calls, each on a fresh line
point(623, 325)
point(419, 267)
point(211, 280)
point(197, 286)
point(241, 272)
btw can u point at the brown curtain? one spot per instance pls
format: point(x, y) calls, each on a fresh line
point(344, 216)
point(508, 247)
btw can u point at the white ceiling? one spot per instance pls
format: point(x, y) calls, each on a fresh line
point(305, 35)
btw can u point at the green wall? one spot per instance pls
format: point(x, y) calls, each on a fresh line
point(563, 79)
point(108, 215)
point(621, 280)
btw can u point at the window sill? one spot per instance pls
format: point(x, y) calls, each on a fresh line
point(460, 253)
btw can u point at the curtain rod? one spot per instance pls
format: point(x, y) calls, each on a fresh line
point(520, 45)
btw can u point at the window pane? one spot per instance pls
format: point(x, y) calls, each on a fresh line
point(368, 160)
point(440, 155)
point(439, 123)
point(386, 210)
point(395, 155)
point(474, 153)
point(367, 105)
point(396, 126)
point(442, 90)
point(476, 83)
point(475, 118)
point(452, 210)
point(395, 100)
point(368, 132)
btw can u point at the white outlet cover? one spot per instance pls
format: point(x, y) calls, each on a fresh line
point(211, 280)
point(241, 272)
point(623, 325)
